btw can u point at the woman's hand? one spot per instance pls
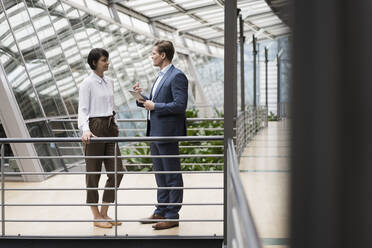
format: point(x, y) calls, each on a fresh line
point(86, 136)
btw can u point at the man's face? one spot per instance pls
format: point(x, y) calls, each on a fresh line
point(157, 59)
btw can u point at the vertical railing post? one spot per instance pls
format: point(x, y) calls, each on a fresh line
point(242, 74)
point(254, 70)
point(278, 85)
point(116, 189)
point(229, 197)
point(254, 44)
point(266, 76)
point(2, 191)
point(266, 85)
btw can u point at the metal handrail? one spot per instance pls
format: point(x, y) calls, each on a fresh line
point(119, 220)
point(140, 120)
point(110, 139)
point(135, 147)
point(248, 124)
point(107, 188)
point(109, 173)
point(109, 204)
point(125, 156)
point(150, 164)
point(115, 204)
point(242, 232)
point(144, 129)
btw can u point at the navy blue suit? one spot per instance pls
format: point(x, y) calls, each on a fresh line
point(168, 119)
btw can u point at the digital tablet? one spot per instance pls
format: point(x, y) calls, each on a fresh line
point(139, 97)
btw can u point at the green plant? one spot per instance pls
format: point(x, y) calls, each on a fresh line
point(195, 128)
point(272, 117)
point(202, 128)
point(141, 150)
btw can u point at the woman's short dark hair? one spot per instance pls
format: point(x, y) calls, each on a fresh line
point(94, 55)
point(165, 46)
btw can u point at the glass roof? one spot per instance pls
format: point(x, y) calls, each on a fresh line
point(204, 18)
point(200, 23)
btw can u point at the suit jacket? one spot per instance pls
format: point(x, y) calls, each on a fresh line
point(169, 116)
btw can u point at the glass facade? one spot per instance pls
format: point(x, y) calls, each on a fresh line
point(210, 72)
point(10, 165)
point(274, 47)
point(44, 48)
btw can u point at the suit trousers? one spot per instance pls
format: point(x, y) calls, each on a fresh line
point(167, 180)
point(102, 127)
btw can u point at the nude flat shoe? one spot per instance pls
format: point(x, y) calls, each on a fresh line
point(102, 224)
point(117, 223)
point(112, 222)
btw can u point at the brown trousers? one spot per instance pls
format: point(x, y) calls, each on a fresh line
point(102, 127)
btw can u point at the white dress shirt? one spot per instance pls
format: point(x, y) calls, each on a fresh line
point(96, 99)
point(161, 74)
point(160, 77)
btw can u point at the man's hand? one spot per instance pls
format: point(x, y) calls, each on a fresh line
point(137, 88)
point(86, 137)
point(149, 105)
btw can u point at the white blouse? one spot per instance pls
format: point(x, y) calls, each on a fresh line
point(96, 99)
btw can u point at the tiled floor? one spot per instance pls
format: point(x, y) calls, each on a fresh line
point(125, 213)
point(265, 174)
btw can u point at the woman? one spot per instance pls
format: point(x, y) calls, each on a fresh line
point(96, 119)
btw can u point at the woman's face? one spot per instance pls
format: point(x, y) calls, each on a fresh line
point(102, 64)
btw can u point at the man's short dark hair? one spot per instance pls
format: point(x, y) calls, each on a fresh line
point(94, 55)
point(165, 46)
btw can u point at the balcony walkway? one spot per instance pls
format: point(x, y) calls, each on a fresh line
point(124, 212)
point(264, 172)
point(264, 169)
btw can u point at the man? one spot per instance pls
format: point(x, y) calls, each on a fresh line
point(166, 117)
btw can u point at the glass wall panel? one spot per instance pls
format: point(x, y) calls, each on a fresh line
point(34, 58)
point(16, 72)
point(285, 69)
point(180, 61)
point(55, 59)
point(125, 19)
point(140, 25)
point(211, 76)
point(10, 164)
point(94, 5)
point(41, 129)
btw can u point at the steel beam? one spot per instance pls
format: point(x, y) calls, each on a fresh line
point(188, 11)
point(206, 25)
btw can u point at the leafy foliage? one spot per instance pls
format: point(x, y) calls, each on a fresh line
point(273, 117)
point(195, 128)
